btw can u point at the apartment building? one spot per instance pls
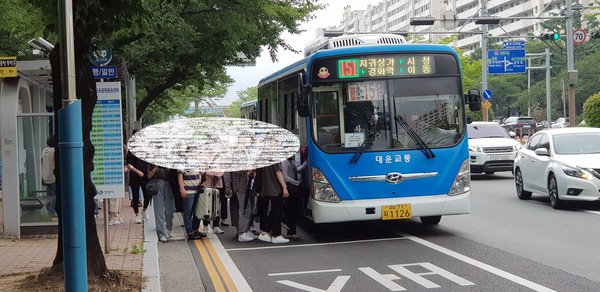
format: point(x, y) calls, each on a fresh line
point(395, 15)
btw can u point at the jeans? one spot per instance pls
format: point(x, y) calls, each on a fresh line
point(188, 209)
point(245, 219)
point(164, 207)
point(51, 192)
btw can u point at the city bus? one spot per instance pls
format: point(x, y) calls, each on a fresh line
point(384, 124)
point(248, 109)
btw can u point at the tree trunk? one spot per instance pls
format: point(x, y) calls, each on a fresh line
point(86, 91)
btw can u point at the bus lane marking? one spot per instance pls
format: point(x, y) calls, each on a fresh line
point(336, 286)
point(313, 244)
point(478, 264)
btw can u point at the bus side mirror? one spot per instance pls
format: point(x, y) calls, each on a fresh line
point(304, 91)
point(473, 99)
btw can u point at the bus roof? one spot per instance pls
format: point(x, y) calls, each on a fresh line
point(249, 103)
point(357, 50)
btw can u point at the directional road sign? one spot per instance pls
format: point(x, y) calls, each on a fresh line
point(518, 44)
point(487, 94)
point(506, 61)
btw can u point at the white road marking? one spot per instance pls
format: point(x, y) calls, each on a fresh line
point(304, 272)
point(478, 264)
point(336, 286)
point(232, 269)
point(312, 244)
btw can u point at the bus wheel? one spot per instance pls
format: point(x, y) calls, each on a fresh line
point(431, 220)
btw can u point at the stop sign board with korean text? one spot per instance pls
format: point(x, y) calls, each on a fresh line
point(579, 36)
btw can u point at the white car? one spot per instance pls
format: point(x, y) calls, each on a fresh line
point(562, 163)
point(491, 148)
point(560, 123)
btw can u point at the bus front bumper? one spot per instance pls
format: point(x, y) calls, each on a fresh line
point(363, 210)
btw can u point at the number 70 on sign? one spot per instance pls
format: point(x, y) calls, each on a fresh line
point(579, 36)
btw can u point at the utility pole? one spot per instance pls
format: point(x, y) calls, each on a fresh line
point(548, 94)
point(484, 72)
point(570, 63)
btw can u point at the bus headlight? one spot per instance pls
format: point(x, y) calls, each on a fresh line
point(322, 189)
point(462, 181)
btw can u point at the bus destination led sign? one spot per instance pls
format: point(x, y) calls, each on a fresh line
point(382, 66)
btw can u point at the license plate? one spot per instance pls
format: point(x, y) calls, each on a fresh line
point(501, 157)
point(526, 127)
point(392, 212)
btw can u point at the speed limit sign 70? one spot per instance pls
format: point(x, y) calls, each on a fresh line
point(579, 36)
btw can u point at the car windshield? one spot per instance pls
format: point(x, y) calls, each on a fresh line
point(579, 143)
point(477, 131)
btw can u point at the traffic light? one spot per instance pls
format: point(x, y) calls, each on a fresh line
point(595, 35)
point(554, 36)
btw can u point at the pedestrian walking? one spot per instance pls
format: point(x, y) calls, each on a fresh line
point(163, 201)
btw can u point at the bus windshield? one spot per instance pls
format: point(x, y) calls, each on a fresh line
point(366, 114)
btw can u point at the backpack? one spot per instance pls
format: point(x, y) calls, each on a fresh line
point(48, 166)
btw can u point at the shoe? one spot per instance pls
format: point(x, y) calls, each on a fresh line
point(252, 234)
point(292, 236)
point(111, 222)
point(280, 239)
point(225, 222)
point(245, 237)
point(265, 237)
point(207, 229)
point(285, 226)
point(138, 219)
point(169, 233)
point(218, 230)
point(146, 215)
point(119, 220)
point(162, 239)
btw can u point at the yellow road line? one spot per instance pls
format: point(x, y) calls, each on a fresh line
point(216, 270)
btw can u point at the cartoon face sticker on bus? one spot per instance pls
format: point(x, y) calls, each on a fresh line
point(323, 73)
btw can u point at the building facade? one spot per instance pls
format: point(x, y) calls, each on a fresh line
point(395, 15)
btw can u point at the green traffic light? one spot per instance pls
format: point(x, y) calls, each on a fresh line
point(556, 36)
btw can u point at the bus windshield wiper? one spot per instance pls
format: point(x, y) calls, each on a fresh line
point(413, 135)
point(373, 132)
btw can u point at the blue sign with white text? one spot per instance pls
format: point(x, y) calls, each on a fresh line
point(104, 72)
point(519, 44)
point(506, 61)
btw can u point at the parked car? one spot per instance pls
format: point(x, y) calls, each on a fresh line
point(524, 125)
point(491, 149)
point(562, 163)
point(560, 123)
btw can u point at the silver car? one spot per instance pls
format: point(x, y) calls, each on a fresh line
point(562, 163)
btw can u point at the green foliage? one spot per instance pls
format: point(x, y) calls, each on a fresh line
point(20, 22)
point(136, 249)
point(248, 94)
point(591, 111)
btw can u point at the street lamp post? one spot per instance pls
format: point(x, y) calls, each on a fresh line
point(484, 72)
point(570, 63)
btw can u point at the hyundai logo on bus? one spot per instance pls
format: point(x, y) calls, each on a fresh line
point(394, 178)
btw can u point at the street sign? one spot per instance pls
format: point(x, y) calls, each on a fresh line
point(579, 36)
point(101, 57)
point(517, 44)
point(506, 61)
point(104, 72)
point(8, 67)
point(487, 105)
point(487, 94)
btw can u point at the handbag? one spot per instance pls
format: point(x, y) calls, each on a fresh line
point(152, 187)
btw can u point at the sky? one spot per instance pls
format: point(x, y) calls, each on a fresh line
point(249, 76)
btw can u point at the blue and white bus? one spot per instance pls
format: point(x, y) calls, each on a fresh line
point(248, 109)
point(385, 126)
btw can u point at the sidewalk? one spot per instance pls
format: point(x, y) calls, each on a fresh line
point(32, 254)
point(28, 255)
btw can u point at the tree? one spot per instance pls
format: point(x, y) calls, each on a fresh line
point(248, 94)
point(591, 111)
point(19, 24)
point(168, 44)
point(191, 42)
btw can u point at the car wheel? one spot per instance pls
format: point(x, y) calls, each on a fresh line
point(555, 202)
point(431, 220)
point(521, 192)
